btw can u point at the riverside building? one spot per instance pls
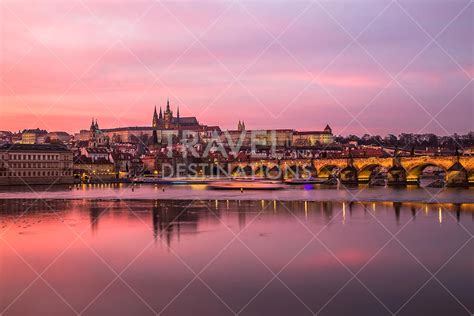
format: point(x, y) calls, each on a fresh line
point(26, 164)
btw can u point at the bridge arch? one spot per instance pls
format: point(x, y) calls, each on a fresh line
point(292, 171)
point(275, 172)
point(326, 171)
point(366, 173)
point(235, 171)
point(413, 175)
point(348, 175)
point(242, 171)
point(309, 171)
point(262, 171)
point(300, 171)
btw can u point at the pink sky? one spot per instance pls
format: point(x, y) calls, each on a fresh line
point(63, 63)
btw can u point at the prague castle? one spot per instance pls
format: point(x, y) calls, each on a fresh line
point(166, 120)
point(165, 126)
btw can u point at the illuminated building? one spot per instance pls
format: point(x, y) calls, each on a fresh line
point(165, 126)
point(26, 164)
point(98, 170)
point(312, 138)
point(33, 136)
point(58, 137)
point(280, 137)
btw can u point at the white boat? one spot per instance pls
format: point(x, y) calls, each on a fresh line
point(174, 180)
point(245, 185)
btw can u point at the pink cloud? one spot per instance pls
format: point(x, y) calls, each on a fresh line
point(120, 85)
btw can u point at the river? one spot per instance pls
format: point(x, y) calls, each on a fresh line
point(190, 251)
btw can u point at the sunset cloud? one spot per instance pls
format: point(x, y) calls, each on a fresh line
point(116, 60)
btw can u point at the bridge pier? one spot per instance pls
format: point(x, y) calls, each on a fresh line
point(348, 175)
point(456, 176)
point(397, 176)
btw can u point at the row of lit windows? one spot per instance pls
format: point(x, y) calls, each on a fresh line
point(34, 165)
point(36, 157)
point(34, 173)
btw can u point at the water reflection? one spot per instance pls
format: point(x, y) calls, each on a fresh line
point(159, 242)
point(168, 216)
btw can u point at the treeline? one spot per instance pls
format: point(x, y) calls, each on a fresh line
point(411, 140)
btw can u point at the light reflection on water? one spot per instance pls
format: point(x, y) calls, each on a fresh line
point(200, 191)
point(261, 257)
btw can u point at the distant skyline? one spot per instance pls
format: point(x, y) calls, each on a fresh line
point(380, 67)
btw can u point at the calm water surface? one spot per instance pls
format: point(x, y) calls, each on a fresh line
point(220, 257)
point(200, 192)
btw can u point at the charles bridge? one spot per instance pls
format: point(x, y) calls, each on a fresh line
point(459, 170)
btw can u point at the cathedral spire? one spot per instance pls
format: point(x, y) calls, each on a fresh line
point(161, 114)
point(168, 105)
point(154, 122)
point(177, 116)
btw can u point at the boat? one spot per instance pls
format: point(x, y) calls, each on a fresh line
point(174, 180)
point(298, 181)
point(245, 185)
point(146, 179)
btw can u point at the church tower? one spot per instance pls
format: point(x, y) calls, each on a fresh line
point(328, 129)
point(154, 124)
point(93, 134)
point(155, 121)
point(177, 116)
point(168, 116)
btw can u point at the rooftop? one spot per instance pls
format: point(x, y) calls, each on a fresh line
point(35, 131)
point(34, 147)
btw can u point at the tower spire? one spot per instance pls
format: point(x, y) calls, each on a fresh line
point(177, 116)
point(161, 114)
point(154, 122)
